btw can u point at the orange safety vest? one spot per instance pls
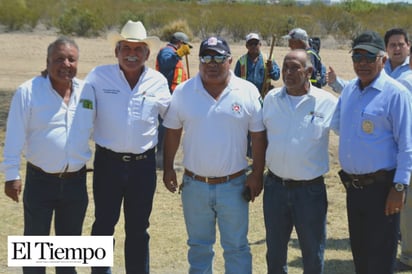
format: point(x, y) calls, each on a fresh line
point(179, 75)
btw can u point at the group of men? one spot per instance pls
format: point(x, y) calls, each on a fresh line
point(52, 117)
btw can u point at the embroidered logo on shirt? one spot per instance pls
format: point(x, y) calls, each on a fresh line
point(86, 103)
point(236, 108)
point(367, 126)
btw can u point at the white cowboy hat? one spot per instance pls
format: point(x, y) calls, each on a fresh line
point(134, 32)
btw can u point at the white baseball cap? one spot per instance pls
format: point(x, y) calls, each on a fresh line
point(252, 36)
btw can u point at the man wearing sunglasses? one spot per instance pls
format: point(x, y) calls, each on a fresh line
point(216, 110)
point(374, 121)
point(397, 47)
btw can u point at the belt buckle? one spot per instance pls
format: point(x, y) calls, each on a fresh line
point(355, 184)
point(126, 158)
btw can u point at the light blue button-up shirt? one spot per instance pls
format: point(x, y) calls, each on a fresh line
point(375, 128)
point(398, 70)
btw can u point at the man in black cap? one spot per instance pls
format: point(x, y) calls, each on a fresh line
point(216, 109)
point(169, 63)
point(374, 121)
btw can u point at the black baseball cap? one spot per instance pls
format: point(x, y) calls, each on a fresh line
point(216, 44)
point(369, 41)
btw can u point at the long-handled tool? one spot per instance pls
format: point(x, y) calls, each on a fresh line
point(266, 84)
point(187, 66)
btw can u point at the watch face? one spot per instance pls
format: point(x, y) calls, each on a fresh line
point(399, 187)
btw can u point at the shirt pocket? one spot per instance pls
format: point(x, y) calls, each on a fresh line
point(144, 109)
point(314, 126)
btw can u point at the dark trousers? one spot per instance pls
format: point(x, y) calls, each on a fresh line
point(303, 208)
point(373, 236)
point(45, 194)
point(132, 183)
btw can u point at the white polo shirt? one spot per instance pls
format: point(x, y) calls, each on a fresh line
point(51, 134)
point(127, 119)
point(215, 131)
point(298, 136)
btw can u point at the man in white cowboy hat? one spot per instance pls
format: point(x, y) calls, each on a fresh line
point(129, 98)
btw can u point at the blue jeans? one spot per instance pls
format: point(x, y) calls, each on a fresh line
point(205, 205)
point(373, 236)
point(45, 194)
point(132, 183)
point(305, 209)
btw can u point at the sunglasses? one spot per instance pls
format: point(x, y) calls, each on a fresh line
point(218, 59)
point(369, 57)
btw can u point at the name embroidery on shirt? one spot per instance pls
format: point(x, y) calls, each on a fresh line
point(111, 91)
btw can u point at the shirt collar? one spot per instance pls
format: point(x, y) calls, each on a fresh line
point(377, 83)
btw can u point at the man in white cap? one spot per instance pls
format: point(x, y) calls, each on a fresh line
point(252, 66)
point(129, 98)
point(299, 39)
point(169, 63)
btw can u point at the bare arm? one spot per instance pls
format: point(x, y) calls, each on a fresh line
point(171, 144)
point(255, 179)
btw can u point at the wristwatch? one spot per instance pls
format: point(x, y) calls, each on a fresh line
point(399, 187)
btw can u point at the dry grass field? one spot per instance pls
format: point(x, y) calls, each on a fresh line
point(24, 55)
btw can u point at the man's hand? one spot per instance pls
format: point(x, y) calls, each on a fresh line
point(13, 189)
point(394, 202)
point(255, 184)
point(169, 179)
point(269, 67)
point(331, 76)
point(183, 50)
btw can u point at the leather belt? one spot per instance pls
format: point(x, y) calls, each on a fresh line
point(62, 175)
point(214, 180)
point(362, 180)
point(295, 183)
point(125, 157)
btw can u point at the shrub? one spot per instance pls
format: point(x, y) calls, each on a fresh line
point(79, 22)
point(15, 14)
point(178, 25)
